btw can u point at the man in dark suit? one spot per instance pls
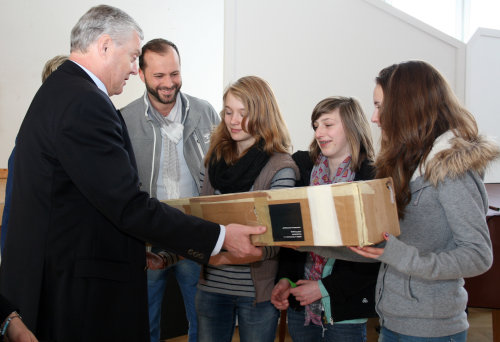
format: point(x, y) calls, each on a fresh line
point(74, 260)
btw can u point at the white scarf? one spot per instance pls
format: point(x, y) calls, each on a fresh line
point(171, 130)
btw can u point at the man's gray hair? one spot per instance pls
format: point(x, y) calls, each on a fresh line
point(99, 20)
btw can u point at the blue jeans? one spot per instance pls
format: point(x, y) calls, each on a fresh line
point(217, 315)
point(338, 332)
point(187, 273)
point(387, 335)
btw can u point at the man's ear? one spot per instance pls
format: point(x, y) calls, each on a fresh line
point(141, 75)
point(104, 43)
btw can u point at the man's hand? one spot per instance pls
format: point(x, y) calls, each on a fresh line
point(18, 332)
point(280, 293)
point(306, 292)
point(237, 240)
point(154, 261)
point(227, 258)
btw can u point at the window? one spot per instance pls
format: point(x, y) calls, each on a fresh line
point(482, 13)
point(457, 18)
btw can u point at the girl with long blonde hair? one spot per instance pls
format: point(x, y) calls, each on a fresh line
point(248, 151)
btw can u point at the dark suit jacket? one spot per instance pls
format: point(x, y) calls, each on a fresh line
point(74, 260)
point(6, 308)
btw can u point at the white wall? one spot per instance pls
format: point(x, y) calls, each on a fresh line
point(34, 31)
point(483, 87)
point(308, 50)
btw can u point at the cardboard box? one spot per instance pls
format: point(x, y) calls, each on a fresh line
point(342, 214)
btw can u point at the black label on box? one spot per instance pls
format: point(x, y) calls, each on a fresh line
point(286, 220)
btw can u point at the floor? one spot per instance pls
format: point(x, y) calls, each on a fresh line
point(479, 319)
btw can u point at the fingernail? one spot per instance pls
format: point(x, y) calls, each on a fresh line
point(386, 235)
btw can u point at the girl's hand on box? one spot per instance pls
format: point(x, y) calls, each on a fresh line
point(370, 252)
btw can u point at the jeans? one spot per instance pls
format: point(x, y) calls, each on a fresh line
point(187, 273)
point(338, 332)
point(387, 335)
point(217, 314)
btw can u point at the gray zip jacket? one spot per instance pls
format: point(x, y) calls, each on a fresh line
point(199, 119)
point(444, 238)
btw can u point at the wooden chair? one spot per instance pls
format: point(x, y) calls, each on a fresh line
point(282, 328)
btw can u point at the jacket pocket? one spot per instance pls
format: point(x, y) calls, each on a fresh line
point(202, 138)
point(407, 296)
point(397, 297)
point(103, 269)
point(416, 194)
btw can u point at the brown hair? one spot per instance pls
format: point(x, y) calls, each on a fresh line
point(384, 75)
point(158, 45)
point(355, 124)
point(418, 107)
point(265, 122)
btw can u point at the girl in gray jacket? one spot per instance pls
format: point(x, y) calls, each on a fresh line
point(432, 150)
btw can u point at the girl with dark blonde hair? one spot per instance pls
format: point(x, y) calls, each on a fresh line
point(333, 298)
point(248, 151)
point(261, 119)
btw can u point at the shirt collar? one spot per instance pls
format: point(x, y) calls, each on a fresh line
point(94, 78)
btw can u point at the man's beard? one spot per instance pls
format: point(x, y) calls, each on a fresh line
point(163, 99)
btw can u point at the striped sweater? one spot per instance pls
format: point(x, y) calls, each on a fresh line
point(255, 279)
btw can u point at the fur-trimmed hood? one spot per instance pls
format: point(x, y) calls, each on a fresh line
point(452, 156)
